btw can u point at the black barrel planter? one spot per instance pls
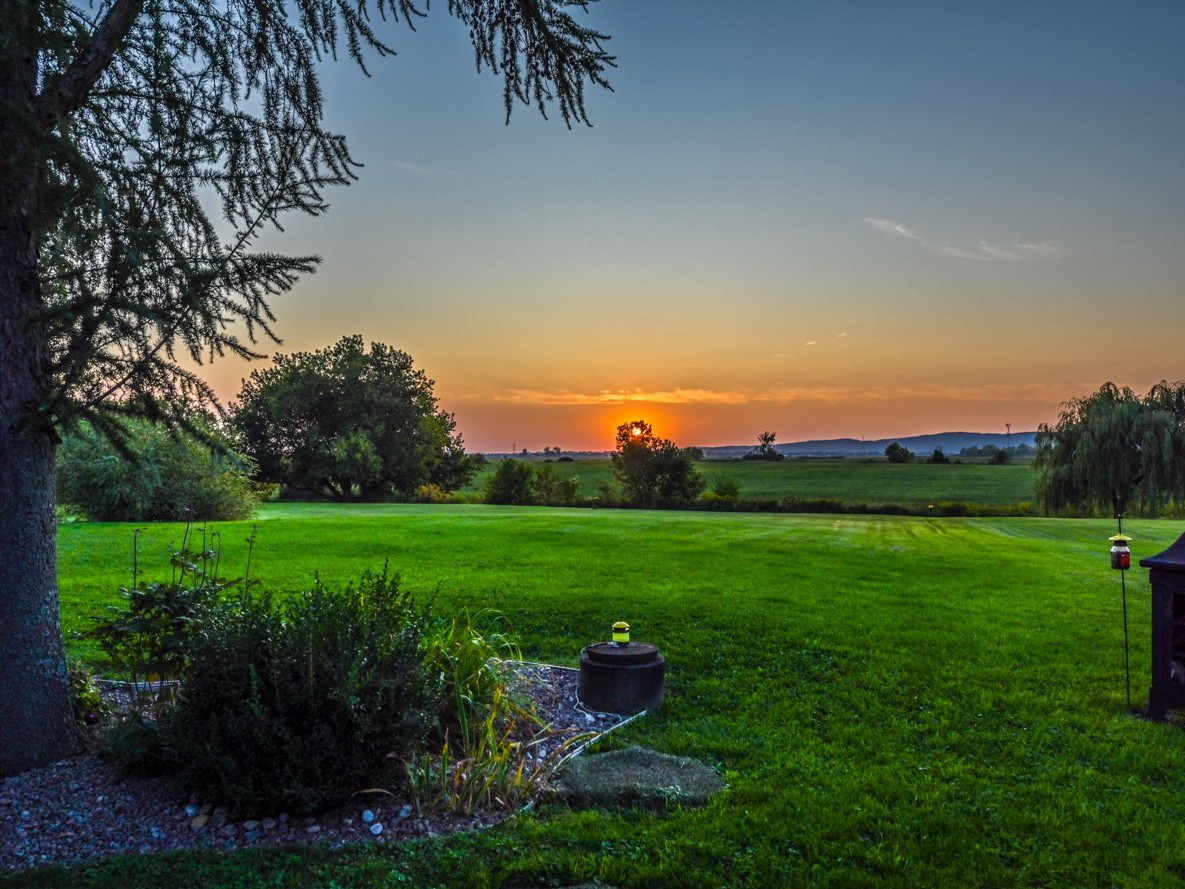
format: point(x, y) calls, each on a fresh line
point(622, 678)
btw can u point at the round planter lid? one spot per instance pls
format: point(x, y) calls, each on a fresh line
point(630, 653)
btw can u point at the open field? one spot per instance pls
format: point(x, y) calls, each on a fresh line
point(894, 701)
point(848, 480)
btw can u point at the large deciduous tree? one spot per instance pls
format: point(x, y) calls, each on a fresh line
point(349, 423)
point(144, 146)
point(1114, 452)
point(654, 471)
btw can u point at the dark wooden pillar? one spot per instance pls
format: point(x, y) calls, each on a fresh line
point(1166, 572)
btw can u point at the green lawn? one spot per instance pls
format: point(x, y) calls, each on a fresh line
point(894, 701)
point(850, 481)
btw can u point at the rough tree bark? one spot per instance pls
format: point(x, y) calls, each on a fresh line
point(36, 720)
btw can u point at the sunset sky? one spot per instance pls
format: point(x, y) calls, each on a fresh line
point(819, 218)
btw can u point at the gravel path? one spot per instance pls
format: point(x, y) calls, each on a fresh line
point(78, 809)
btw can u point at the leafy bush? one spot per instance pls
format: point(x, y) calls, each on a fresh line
point(298, 705)
point(157, 476)
point(552, 490)
point(510, 483)
point(146, 640)
point(726, 487)
point(88, 704)
point(431, 493)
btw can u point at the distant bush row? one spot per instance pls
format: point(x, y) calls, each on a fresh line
point(517, 483)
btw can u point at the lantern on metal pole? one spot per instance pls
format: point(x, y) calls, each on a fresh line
point(1121, 561)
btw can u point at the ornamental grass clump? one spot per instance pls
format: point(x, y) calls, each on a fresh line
point(487, 750)
point(295, 705)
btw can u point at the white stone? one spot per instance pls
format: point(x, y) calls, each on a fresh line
point(376, 828)
point(367, 816)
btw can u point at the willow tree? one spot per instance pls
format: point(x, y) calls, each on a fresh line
point(1114, 452)
point(146, 144)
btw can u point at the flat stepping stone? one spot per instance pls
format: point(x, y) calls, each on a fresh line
point(637, 777)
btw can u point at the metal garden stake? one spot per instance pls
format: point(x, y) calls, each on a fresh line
point(1121, 561)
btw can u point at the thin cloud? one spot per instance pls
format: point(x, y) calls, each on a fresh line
point(417, 170)
point(984, 251)
point(622, 396)
point(893, 227)
point(785, 395)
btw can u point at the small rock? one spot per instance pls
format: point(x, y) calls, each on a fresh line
point(405, 810)
point(199, 822)
point(226, 831)
point(190, 811)
point(156, 832)
point(251, 825)
point(367, 816)
point(376, 828)
point(347, 822)
point(205, 809)
point(283, 817)
point(313, 828)
point(269, 823)
point(5, 802)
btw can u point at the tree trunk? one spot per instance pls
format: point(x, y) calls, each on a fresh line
point(36, 719)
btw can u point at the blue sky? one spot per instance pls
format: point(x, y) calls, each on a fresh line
point(824, 219)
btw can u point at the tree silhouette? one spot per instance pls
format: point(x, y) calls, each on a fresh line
point(146, 147)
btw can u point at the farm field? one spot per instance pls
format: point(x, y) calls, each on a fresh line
point(850, 481)
point(893, 701)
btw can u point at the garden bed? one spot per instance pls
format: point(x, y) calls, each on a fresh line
point(79, 809)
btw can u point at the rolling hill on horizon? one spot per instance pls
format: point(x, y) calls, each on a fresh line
point(949, 443)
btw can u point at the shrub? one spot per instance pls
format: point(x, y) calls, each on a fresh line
point(159, 476)
point(298, 705)
point(510, 483)
point(85, 699)
point(726, 487)
point(551, 490)
point(431, 493)
point(146, 639)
